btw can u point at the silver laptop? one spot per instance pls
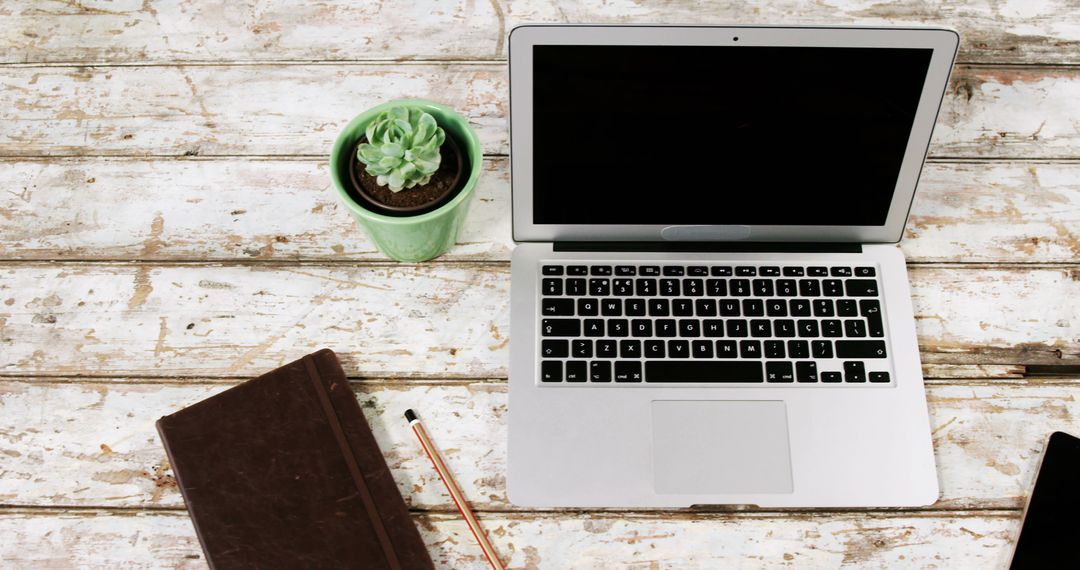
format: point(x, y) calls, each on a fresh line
point(708, 305)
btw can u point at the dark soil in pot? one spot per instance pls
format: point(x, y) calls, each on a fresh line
point(447, 181)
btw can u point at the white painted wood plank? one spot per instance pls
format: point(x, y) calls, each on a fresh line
point(444, 320)
point(94, 444)
point(56, 31)
point(989, 112)
point(534, 541)
point(228, 209)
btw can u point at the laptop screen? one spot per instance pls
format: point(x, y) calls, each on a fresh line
point(706, 135)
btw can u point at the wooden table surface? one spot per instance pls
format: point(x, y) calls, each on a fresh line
point(168, 229)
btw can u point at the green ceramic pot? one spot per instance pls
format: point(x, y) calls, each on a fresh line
point(419, 237)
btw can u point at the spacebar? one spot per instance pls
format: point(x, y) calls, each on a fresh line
point(702, 371)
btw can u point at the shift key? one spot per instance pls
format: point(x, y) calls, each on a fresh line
point(860, 349)
point(560, 327)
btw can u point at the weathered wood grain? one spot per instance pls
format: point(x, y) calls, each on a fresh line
point(229, 209)
point(445, 320)
point(55, 31)
point(107, 540)
point(989, 112)
point(94, 444)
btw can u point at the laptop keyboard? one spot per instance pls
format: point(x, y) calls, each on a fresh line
point(712, 324)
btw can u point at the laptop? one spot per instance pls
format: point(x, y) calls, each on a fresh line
point(708, 306)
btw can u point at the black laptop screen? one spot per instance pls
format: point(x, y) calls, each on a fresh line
point(720, 134)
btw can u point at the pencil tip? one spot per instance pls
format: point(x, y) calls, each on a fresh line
point(410, 415)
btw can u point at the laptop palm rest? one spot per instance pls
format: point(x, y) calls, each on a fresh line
point(720, 447)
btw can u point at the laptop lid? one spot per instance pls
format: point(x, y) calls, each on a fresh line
point(654, 133)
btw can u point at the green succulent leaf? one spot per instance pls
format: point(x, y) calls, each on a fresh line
point(402, 148)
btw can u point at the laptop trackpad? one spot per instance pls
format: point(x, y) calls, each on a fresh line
point(720, 447)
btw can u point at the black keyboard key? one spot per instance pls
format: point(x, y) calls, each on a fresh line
point(727, 349)
point(645, 287)
point(641, 327)
point(576, 371)
point(622, 287)
point(625, 270)
point(611, 307)
point(769, 271)
point(736, 328)
point(628, 372)
point(600, 287)
point(808, 328)
point(586, 307)
point(552, 286)
point(701, 349)
point(784, 328)
point(846, 308)
point(776, 308)
point(739, 287)
point(635, 307)
point(806, 371)
point(552, 270)
point(879, 377)
point(823, 308)
point(779, 372)
point(699, 270)
point(606, 348)
point(629, 349)
point(600, 270)
point(678, 349)
point(774, 349)
point(840, 272)
point(666, 327)
point(799, 307)
point(712, 327)
point(693, 287)
point(650, 270)
point(786, 288)
point(577, 270)
point(821, 349)
point(703, 371)
point(750, 348)
point(721, 271)
point(831, 328)
point(832, 287)
point(705, 307)
point(554, 349)
point(854, 372)
point(730, 308)
point(865, 272)
point(659, 308)
point(716, 287)
point(674, 270)
point(830, 377)
point(763, 287)
point(817, 271)
point(798, 349)
point(753, 308)
point(581, 348)
point(760, 328)
point(557, 307)
point(854, 328)
point(618, 328)
point(809, 287)
point(600, 371)
point(871, 309)
point(689, 328)
point(746, 271)
point(682, 307)
point(794, 272)
point(654, 349)
point(862, 288)
point(560, 327)
point(594, 327)
point(551, 371)
point(575, 287)
point(669, 287)
point(860, 349)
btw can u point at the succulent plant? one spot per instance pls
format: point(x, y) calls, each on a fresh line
point(403, 148)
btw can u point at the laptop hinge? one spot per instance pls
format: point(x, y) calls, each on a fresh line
point(709, 246)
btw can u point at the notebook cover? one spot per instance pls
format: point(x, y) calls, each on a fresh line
point(283, 472)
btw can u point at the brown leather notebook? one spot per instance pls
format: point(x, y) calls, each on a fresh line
point(283, 472)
